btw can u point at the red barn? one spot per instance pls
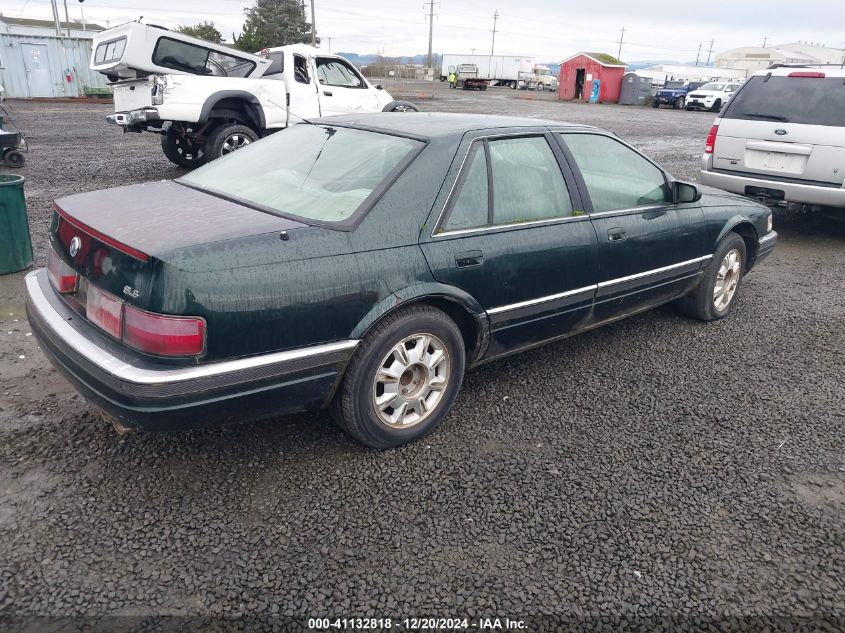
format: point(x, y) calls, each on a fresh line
point(578, 72)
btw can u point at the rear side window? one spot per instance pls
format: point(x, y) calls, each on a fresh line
point(809, 100)
point(191, 58)
point(616, 176)
point(523, 177)
point(109, 52)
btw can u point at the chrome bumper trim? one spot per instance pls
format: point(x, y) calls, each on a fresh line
point(136, 375)
point(764, 241)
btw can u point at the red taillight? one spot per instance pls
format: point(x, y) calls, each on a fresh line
point(104, 310)
point(710, 143)
point(62, 276)
point(806, 74)
point(105, 239)
point(163, 335)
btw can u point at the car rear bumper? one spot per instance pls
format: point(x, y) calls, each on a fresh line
point(154, 396)
point(134, 117)
point(749, 185)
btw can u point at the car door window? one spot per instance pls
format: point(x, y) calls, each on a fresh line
point(616, 176)
point(334, 72)
point(527, 182)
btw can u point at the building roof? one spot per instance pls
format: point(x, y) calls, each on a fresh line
point(49, 24)
point(600, 58)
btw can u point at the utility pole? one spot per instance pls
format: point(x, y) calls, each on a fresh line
point(710, 52)
point(765, 39)
point(430, 4)
point(698, 54)
point(330, 44)
point(56, 17)
point(67, 20)
point(82, 11)
point(621, 37)
point(313, 26)
point(493, 45)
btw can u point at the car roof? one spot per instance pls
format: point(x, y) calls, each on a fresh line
point(830, 70)
point(438, 124)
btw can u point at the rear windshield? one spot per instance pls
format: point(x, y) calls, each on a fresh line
point(192, 58)
point(314, 172)
point(815, 101)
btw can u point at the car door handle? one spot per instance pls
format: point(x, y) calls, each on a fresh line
point(469, 259)
point(615, 235)
point(326, 93)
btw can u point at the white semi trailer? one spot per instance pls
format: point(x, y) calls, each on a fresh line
point(498, 70)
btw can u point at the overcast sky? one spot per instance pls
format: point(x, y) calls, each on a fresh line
point(547, 29)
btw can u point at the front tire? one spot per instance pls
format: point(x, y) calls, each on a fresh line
point(679, 103)
point(402, 379)
point(716, 293)
point(181, 148)
point(14, 158)
point(229, 138)
point(716, 106)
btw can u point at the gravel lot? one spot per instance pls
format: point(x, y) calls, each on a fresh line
point(658, 467)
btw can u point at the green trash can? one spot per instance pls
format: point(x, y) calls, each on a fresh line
point(15, 242)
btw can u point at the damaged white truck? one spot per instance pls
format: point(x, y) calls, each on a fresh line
point(207, 100)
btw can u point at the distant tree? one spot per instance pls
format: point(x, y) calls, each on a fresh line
point(204, 31)
point(274, 23)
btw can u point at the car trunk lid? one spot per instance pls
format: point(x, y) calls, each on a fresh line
point(116, 238)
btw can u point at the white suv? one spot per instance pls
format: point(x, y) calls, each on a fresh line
point(781, 138)
point(711, 96)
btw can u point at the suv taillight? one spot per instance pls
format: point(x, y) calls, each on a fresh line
point(710, 143)
point(62, 276)
point(163, 335)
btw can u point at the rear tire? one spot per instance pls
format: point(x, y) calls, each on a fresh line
point(389, 397)
point(229, 138)
point(181, 149)
point(716, 293)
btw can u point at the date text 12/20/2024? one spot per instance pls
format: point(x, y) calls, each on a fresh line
point(417, 624)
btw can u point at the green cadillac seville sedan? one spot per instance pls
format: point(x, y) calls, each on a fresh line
point(363, 263)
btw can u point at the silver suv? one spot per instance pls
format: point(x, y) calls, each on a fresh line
point(781, 138)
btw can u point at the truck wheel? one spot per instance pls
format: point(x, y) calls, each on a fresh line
point(655, 104)
point(182, 149)
point(228, 138)
point(403, 106)
point(679, 103)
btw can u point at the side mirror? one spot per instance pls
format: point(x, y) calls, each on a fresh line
point(686, 192)
point(379, 87)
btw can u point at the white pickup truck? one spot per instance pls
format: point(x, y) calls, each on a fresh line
point(207, 100)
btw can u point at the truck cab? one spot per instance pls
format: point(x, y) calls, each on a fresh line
point(207, 100)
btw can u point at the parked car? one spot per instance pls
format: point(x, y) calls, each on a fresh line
point(674, 93)
point(207, 100)
point(711, 96)
point(781, 138)
point(363, 263)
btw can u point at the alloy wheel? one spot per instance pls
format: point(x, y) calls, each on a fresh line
point(727, 280)
point(234, 142)
point(411, 380)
